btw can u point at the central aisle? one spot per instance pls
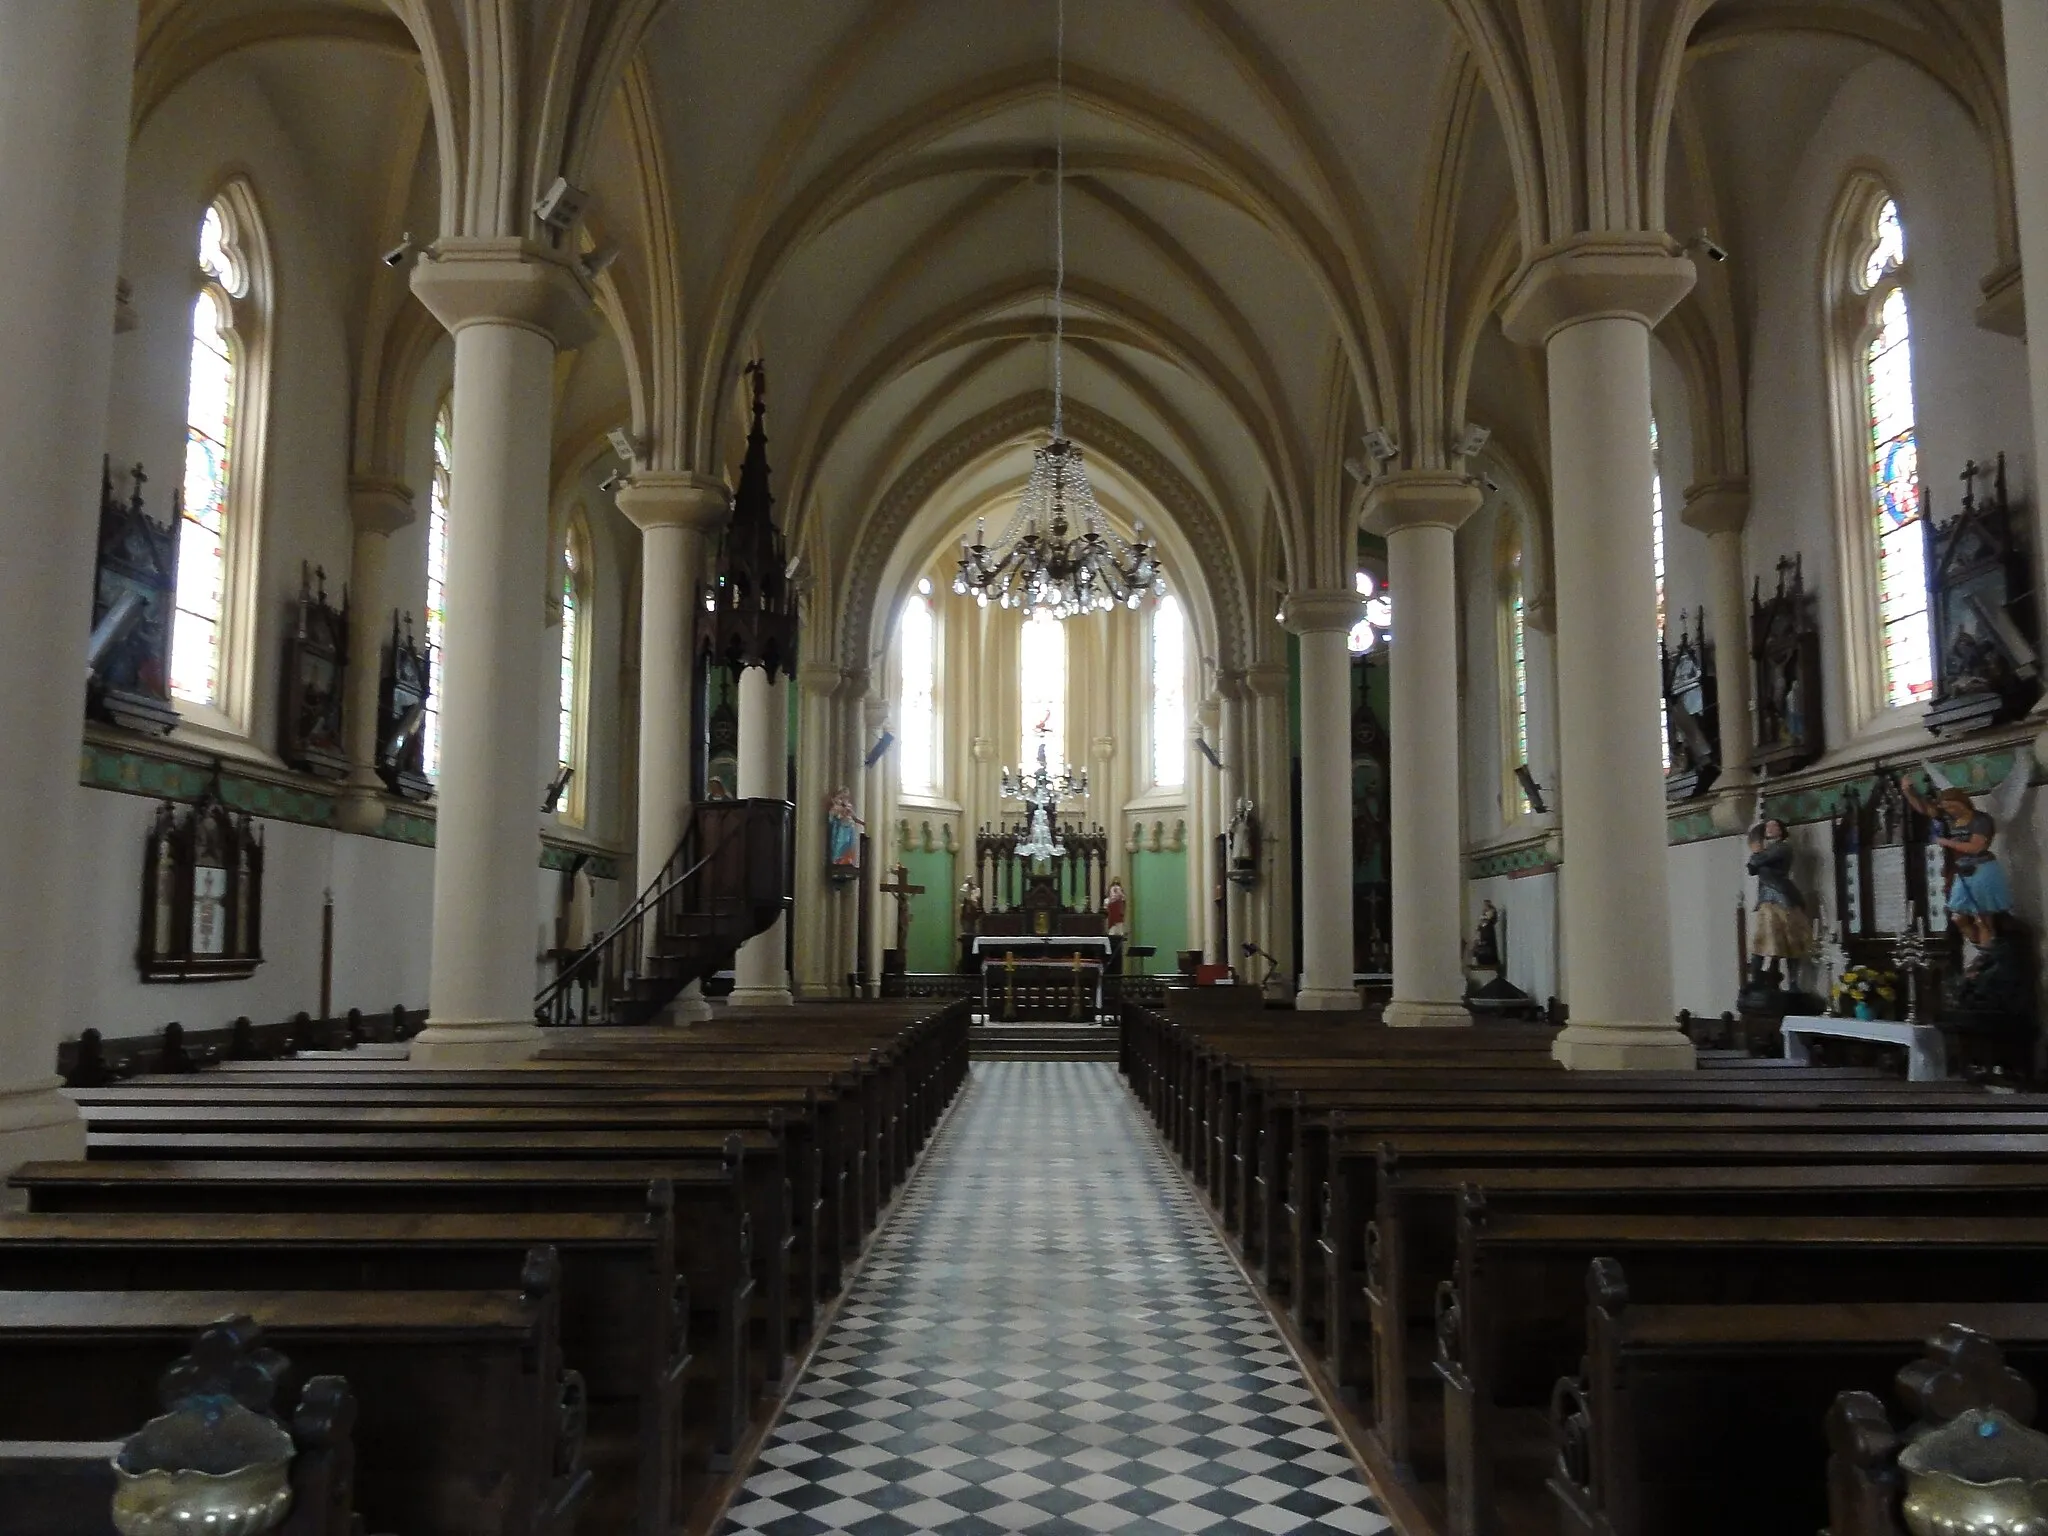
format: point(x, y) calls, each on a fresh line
point(1049, 1337)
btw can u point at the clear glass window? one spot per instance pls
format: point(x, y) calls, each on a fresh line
point(917, 639)
point(1044, 668)
point(1169, 695)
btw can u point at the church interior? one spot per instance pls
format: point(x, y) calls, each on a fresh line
point(1034, 765)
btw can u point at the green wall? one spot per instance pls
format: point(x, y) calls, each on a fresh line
point(1159, 905)
point(934, 916)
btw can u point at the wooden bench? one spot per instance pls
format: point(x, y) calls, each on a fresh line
point(467, 1424)
point(713, 1234)
point(1690, 1420)
point(624, 1317)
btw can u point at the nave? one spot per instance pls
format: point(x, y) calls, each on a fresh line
point(1049, 1337)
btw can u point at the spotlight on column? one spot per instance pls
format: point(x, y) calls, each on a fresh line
point(1530, 788)
point(599, 261)
point(1704, 244)
point(612, 481)
point(1471, 440)
point(624, 444)
point(882, 744)
point(1202, 746)
point(395, 257)
point(1379, 442)
point(561, 205)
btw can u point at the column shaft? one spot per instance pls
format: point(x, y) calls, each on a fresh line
point(1235, 786)
point(1274, 908)
point(1728, 617)
point(1613, 896)
point(818, 898)
point(378, 509)
point(487, 839)
point(65, 72)
point(1323, 620)
point(1424, 819)
point(762, 974)
point(2026, 62)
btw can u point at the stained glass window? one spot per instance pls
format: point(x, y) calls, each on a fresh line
point(917, 638)
point(1657, 563)
point(1044, 668)
point(1895, 472)
point(1514, 659)
point(1377, 627)
point(1169, 695)
point(209, 438)
point(437, 580)
point(575, 624)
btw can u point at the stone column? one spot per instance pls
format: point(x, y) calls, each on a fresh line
point(674, 513)
point(1419, 512)
point(1274, 910)
point(1720, 510)
point(1204, 798)
point(818, 896)
point(874, 809)
point(378, 508)
point(761, 975)
point(65, 72)
point(1236, 781)
point(1591, 305)
point(2026, 64)
point(510, 305)
point(1323, 620)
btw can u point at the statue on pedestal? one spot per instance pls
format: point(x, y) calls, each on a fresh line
point(1781, 929)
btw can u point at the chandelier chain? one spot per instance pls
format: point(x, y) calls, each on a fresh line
point(1059, 215)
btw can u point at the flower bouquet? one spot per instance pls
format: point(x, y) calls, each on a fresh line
point(1862, 988)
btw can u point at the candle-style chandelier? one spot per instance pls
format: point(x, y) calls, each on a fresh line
point(1058, 551)
point(1042, 789)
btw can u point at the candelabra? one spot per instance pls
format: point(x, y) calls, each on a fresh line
point(1909, 953)
point(1042, 790)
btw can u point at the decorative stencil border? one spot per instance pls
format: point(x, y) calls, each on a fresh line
point(127, 771)
point(1537, 856)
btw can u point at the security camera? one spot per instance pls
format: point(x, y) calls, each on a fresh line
point(1706, 246)
point(560, 205)
point(1379, 442)
point(624, 444)
point(395, 257)
point(1471, 440)
point(599, 260)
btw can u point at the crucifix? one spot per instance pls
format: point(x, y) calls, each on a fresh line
point(898, 885)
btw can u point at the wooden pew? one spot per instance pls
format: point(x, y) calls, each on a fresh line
point(713, 1234)
point(1689, 1420)
point(467, 1423)
point(1500, 1348)
point(624, 1316)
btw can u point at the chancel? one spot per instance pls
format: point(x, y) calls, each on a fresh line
point(784, 766)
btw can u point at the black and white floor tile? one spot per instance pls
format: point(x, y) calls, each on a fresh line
point(1049, 1338)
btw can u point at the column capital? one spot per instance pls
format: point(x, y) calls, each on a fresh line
point(1267, 680)
point(669, 499)
point(379, 503)
point(1632, 276)
point(464, 280)
point(874, 712)
point(1420, 498)
point(1322, 611)
point(854, 683)
point(819, 678)
point(1717, 506)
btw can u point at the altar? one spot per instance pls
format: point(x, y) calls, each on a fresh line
point(1050, 976)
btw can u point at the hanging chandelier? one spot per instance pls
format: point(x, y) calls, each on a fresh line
point(1058, 552)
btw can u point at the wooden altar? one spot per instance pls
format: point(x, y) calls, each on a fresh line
point(1038, 934)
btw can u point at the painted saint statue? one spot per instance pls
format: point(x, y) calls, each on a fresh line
point(842, 835)
point(1977, 887)
point(1780, 928)
point(1114, 908)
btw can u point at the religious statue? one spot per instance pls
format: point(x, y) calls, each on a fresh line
point(1115, 906)
point(1244, 843)
point(1977, 892)
point(1781, 930)
point(970, 908)
point(1486, 942)
point(842, 836)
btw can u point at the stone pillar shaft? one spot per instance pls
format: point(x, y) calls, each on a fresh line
point(1323, 620)
point(378, 508)
point(761, 972)
point(65, 73)
point(1720, 509)
point(2026, 62)
point(1419, 512)
point(1591, 305)
point(509, 307)
point(1273, 910)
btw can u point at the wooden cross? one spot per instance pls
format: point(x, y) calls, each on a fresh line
point(1969, 476)
point(899, 886)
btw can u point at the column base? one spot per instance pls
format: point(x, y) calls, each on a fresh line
point(37, 1123)
point(1624, 1048)
point(1328, 1000)
point(761, 997)
point(1406, 1013)
point(689, 1007)
point(484, 1043)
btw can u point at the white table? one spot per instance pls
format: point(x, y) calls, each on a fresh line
point(1926, 1050)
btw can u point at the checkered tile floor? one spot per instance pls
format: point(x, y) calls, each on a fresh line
point(1049, 1338)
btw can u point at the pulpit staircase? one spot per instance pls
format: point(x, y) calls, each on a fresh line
point(728, 880)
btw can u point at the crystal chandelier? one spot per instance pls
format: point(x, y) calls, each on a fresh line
point(1058, 551)
point(1042, 790)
